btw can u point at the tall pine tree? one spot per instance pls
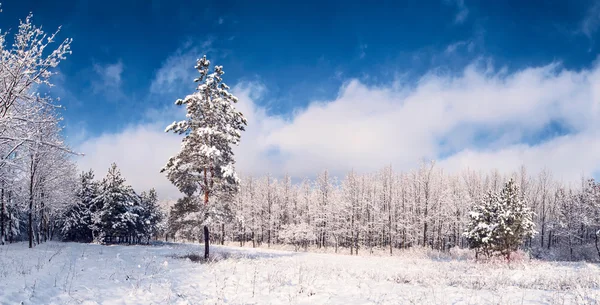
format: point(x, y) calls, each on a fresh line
point(205, 163)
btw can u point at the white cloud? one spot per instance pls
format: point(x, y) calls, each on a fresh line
point(591, 22)
point(367, 127)
point(363, 51)
point(453, 47)
point(463, 10)
point(568, 157)
point(177, 72)
point(109, 77)
point(139, 151)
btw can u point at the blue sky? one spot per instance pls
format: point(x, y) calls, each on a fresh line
point(131, 59)
point(301, 51)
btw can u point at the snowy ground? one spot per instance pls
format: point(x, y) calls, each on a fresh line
point(70, 273)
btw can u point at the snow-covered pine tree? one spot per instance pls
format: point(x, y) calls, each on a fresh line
point(151, 215)
point(205, 163)
point(118, 208)
point(514, 220)
point(482, 221)
point(183, 222)
point(77, 219)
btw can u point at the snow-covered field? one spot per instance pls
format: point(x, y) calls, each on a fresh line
point(70, 273)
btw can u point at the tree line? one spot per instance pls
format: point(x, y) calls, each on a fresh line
point(393, 210)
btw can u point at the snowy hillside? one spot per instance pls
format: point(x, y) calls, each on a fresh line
point(71, 273)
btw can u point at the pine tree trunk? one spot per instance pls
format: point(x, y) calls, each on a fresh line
point(2, 217)
point(40, 235)
point(37, 234)
point(597, 242)
point(391, 244)
point(243, 239)
point(222, 234)
point(543, 227)
point(352, 231)
point(206, 241)
point(10, 231)
point(206, 236)
point(30, 213)
point(356, 243)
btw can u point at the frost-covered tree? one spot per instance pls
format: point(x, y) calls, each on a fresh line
point(56, 186)
point(299, 235)
point(27, 62)
point(205, 164)
point(44, 157)
point(26, 67)
point(351, 199)
point(28, 124)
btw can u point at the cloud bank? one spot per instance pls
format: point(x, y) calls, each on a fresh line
point(540, 117)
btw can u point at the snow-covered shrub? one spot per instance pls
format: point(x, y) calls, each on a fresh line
point(300, 235)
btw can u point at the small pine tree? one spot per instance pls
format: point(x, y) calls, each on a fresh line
point(501, 223)
point(119, 207)
point(514, 221)
point(151, 215)
point(482, 220)
point(77, 218)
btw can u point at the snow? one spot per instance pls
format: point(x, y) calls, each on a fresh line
point(71, 273)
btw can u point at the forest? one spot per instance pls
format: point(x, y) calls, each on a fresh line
point(392, 210)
